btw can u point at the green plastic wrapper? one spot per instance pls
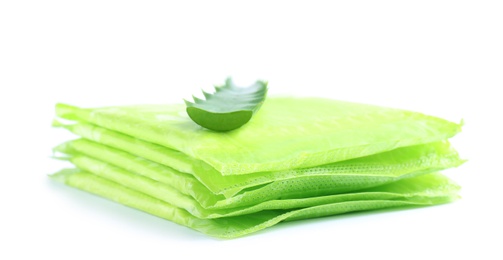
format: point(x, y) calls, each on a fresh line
point(177, 198)
point(297, 158)
point(424, 190)
point(287, 133)
point(345, 176)
point(387, 165)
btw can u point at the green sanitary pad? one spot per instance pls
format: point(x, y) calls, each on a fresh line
point(297, 158)
point(287, 133)
point(419, 191)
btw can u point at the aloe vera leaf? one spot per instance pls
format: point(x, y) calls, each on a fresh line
point(229, 108)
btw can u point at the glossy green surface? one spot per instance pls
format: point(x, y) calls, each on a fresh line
point(229, 108)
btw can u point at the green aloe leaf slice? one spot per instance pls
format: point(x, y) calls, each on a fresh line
point(229, 108)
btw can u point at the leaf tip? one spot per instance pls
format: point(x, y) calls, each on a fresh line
point(188, 103)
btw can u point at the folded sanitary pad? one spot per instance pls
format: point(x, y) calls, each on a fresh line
point(297, 158)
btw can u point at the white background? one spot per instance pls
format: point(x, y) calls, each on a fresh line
point(439, 57)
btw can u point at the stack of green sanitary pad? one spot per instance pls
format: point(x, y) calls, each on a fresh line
point(297, 158)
